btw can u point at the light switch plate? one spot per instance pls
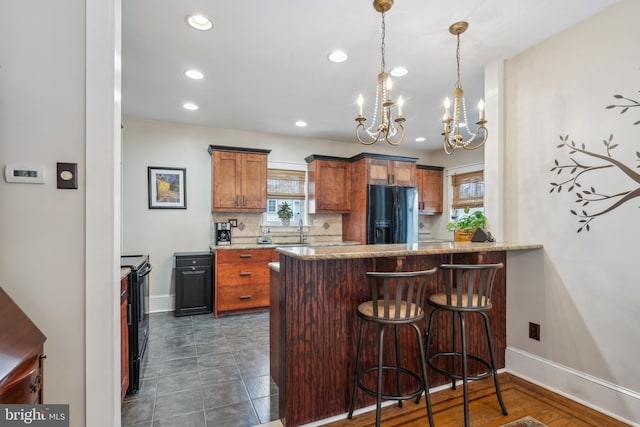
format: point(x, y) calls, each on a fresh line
point(67, 176)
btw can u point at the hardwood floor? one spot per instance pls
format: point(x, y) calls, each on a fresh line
point(521, 397)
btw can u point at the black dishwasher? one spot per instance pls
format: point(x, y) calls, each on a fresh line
point(194, 284)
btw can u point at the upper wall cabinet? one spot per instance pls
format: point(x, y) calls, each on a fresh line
point(389, 170)
point(429, 182)
point(239, 179)
point(329, 186)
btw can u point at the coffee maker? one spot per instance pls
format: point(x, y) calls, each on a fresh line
point(223, 233)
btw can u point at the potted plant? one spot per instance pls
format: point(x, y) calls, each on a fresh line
point(285, 213)
point(464, 227)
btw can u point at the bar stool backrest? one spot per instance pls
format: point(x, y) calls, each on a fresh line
point(469, 286)
point(398, 295)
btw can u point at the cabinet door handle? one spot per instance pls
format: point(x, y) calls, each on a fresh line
point(246, 296)
point(388, 178)
point(244, 200)
point(393, 179)
point(238, 200)
point(245, 255)
point(245, 273)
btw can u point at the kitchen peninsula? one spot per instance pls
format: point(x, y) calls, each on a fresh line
point(313, 341)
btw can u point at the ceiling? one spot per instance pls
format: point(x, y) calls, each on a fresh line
point(265, 62)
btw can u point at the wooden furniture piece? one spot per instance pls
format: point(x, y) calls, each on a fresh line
point(124, 331)
point(397, 299)
point(429, 182)
point(194, 283)
point(329, 184)
point(468, 290)
point(238, 179)
point(241, 279)
point(21, 355)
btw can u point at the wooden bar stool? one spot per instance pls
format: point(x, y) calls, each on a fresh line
point(397, 298)
point(468, 289)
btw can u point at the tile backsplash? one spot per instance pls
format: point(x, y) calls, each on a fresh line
point(319, 228)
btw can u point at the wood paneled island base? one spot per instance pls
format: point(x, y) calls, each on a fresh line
point(314, 339)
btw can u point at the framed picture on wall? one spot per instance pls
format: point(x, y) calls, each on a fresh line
point(167, 188)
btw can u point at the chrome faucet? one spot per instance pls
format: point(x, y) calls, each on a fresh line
point(301, 230)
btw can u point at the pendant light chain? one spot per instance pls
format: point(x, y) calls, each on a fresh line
point(382, 63)
point(458, 83)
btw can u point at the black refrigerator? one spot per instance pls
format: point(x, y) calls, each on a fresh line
point(392, 214)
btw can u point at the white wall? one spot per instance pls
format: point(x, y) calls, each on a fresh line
point(586, 292)
point(42, 228)
point(56, 255)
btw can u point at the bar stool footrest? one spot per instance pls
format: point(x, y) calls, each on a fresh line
point(454, 375)
point(411, 395)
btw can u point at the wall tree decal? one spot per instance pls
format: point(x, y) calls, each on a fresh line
point(582, 161)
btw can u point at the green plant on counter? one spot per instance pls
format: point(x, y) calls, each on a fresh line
point(284, 211)
point(468, 221)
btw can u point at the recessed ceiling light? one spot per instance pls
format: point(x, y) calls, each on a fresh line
point(194, 74)
point(421, 139)
point(301, 123)
point(338, 56)
point(199, 22)
point(190, 106)
point(399, 72)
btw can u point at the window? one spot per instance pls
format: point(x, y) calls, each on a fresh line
point(285, 185)
point(468, 191)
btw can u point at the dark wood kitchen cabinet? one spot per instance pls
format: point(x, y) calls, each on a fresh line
point(241, 279)
point(193, 279)
point(329, 184)
point(429, 182)
point(239, 179)
point(22, 350)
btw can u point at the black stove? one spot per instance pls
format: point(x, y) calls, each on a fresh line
point(138, 322)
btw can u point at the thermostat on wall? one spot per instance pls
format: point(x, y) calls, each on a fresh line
point(24, 174)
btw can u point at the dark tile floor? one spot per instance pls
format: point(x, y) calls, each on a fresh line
point(202, 371)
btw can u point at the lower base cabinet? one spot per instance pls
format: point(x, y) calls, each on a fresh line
point(193, 279)
point(242, 279)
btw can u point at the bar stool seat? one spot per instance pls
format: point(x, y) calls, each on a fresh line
point(468, 289)
point(397, 298)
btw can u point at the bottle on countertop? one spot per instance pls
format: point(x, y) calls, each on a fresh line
point(269, 235)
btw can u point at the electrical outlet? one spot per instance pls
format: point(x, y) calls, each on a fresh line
point(534, 331)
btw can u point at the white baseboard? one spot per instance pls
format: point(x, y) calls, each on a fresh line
point(611, 399)
point(158, 303)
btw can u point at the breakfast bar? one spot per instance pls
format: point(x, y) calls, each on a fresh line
point(314, 326)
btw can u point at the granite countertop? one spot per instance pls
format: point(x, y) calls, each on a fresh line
point(396, 250)
point(275, 266)
point(282, 245)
